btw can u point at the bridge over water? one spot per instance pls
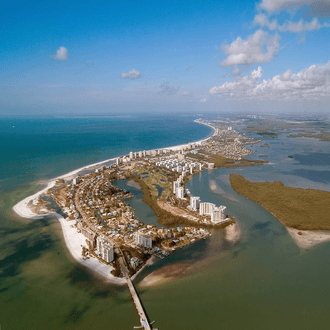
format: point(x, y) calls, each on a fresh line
point(145, 324)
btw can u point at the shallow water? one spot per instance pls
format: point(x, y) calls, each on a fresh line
point(264, 282)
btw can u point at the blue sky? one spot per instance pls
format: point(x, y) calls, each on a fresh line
point(70, 57)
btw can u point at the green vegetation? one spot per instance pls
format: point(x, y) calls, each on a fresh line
point(167, 218)
point(323, 136)
point(164, 217)
point(303, 209)
point(268, 134)
point(220, 161)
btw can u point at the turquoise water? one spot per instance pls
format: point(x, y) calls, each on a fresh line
point(263, 282)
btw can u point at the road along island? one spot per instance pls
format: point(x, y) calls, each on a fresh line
point(304, 212)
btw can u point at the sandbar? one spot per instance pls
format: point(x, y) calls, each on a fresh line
point(306, 239)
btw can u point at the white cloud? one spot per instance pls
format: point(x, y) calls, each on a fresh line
point(203, 100)
point(191, 66)
point(258, 48)
point(166, 89)
point(302, 25)
point(309, 84)
point(61, 54)
point(185, 94)
point(133, 74)
point(317, 7)
point(239, 85)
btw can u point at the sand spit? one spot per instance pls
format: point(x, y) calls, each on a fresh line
point(233, 233)
point(306, 239)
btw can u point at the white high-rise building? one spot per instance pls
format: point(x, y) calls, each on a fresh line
point(180, 193)
point(218, 214)
point(194, 202)
point(176, 185)
point(107, 252)
point(206, 208)
point(105, 249)
point(140, 154)
point(143, 240)
point(131, 155)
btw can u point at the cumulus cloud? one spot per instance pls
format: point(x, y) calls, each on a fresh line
point(203, 100)
point(61, 54)
point(302, 25)
point(311, 83)
point(317, 7)
point(259, 47)
point(133, 74)
point(166, 89)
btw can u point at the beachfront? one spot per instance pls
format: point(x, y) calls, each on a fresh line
point(74, 240)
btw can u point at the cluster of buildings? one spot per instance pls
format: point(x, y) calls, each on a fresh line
point(217, 214)
point(180, 165)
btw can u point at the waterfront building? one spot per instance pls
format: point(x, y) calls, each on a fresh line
point(176, 185)
point(143, 240)
point(144, 153)
point(194, 202)
point(218, 214)
point(180, 193)
point(140, 154)
point(104, 249)
point(210, 166)
point(76, 180)
point(200, 166)
point(131, 155)
point(206, 208)
point(107, 252)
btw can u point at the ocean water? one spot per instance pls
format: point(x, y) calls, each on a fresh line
point(263, 282)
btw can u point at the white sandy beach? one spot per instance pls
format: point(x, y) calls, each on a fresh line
point(74, 240)
point(306, 239)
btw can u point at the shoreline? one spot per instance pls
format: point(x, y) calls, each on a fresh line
point(170, 272)
point(306, 239)
point(72, 238)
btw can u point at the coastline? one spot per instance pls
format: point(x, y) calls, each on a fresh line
point(305, 239)
point(171, 272)
point(72, 238)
